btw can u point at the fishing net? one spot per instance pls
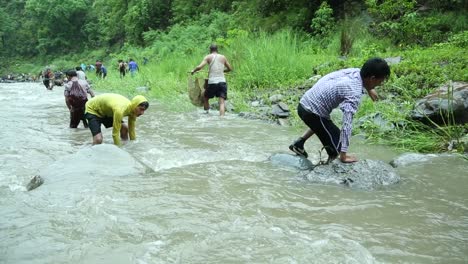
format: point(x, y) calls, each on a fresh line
point(195, 90)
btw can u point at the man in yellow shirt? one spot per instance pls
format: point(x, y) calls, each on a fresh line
point(110, 109)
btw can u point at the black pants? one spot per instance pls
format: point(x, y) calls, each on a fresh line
point(325, 129)
point(76, 116)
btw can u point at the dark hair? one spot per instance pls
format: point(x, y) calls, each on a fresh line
point(213, 47)
point(72, 73)
point(78, 68)
point(376, 67)
point(144, 104)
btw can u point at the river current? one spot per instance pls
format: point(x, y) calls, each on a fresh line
point(197, 188)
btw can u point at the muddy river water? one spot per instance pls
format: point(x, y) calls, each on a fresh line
point(196, 188)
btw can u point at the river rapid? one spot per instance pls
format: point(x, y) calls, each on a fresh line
point(197, 188)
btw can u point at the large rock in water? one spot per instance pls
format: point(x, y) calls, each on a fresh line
point(364, 174)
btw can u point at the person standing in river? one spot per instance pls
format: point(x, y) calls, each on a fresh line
point(48, 79)
point(75, 93)
point(342, 88)
point(109, 110)
point(217, 86)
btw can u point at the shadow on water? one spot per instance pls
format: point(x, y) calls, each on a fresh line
point(197, 188)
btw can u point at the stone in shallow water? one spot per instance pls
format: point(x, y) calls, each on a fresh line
point(364, 174)
point(35, 182)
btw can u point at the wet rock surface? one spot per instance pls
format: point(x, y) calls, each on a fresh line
point(365, 174)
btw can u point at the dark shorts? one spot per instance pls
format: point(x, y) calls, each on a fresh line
point(216, 89)
point(328, 133)
point(95, 122)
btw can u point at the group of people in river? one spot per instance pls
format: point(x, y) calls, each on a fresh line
point(343, 88)
point(106, 109)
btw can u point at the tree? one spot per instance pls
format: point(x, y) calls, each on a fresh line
point(57, 24)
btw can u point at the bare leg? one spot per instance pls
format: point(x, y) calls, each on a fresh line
point(124, 132)
point(97, 139)
point(222, 107)
point(206, 105)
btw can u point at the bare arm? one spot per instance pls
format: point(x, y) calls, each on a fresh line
point(201, 65)
point(227, 65)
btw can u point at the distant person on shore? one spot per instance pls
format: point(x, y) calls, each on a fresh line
point(81, 74)
point(122, 68)
point(75, 93)
point(101, 71)
point(133, 67)
point(217, 86)
point(48, 79)
point(109, 110)
point(343, 88)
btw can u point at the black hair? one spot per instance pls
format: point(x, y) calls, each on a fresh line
point(376, 67)
point(78, 68)
point(144, 104)
point(213, 47)
point(72, 73)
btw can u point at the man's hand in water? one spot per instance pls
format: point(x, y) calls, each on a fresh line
point(347, 158)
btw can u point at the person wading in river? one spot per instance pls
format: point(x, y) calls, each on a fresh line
point(75, 93)
point(218, 65)
point(342, 88)
point(110, 109)
point(48, 79)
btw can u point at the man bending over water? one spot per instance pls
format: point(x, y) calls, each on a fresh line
point(109, 109)
point(343, 88)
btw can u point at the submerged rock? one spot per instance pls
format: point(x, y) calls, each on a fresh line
point(290, 160)
point(410, 158)
point(364, 174)
point(35, 182)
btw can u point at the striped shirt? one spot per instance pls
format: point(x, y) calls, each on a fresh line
point(342, 88)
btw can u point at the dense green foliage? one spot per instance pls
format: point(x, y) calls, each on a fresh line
point(273, 45)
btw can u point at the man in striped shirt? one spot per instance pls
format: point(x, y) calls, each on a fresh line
point(343, 88)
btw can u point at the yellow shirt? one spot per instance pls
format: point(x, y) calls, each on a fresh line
point(116, 107)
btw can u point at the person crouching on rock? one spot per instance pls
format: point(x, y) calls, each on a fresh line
point(75, 93)
point(342, 88)
point(110, 109)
